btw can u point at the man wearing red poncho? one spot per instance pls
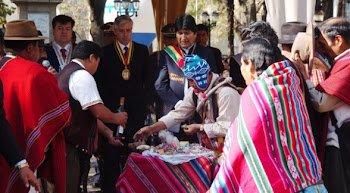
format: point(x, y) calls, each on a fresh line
point(35, 107)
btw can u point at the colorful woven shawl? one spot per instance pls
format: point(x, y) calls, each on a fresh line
point(270, 147)
point(338, 82)
point(148, 174)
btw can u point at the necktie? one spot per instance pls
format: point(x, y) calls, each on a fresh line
point(126, 49)
point(63, 51)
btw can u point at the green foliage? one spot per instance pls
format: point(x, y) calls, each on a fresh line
point(79, 10)
point(220, 30)
point(4, 11)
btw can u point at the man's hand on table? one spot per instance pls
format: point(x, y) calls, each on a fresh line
point(142, 134)
point(191, 129)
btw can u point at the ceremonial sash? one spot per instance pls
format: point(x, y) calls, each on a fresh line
point(174, 52)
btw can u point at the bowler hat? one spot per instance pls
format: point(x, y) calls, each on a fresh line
point(290, 30)
point(22, 30)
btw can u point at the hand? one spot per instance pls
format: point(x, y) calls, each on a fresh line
point(113, 141)
point(300, 65)
point(143, 133)
point(122, 118)
point(27, 176)
point(52, 70)
point(191, 129)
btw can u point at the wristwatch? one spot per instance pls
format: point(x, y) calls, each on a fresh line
point(201, 128)
point(23, 165)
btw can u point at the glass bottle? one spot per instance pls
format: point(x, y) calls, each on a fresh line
point(120, 129)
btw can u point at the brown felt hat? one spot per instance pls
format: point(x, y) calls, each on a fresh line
point(22, 30)
point(304, 44)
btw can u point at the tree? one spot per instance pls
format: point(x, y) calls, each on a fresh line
point(80, 14)
point(4, 11)
point(325, 7)
point(96, 17)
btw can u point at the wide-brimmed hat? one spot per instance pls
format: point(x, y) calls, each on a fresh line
point(304, 44)
point(290, 30)
point(22, 30)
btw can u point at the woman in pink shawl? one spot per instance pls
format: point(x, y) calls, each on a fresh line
point(270, 146)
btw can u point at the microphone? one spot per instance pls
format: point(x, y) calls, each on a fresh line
point(46, 64)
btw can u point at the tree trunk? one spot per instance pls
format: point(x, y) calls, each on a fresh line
point(96, 17)
point(230, 20)
point(341, 8)
point(327, 7)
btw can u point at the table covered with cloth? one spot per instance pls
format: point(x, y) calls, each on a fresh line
point(149, 174)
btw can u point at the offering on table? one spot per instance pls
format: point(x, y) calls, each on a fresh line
point(184, 148)
point(143, 147)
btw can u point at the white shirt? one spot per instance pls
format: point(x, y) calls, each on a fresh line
point(58, 52)
point(123, 46)
point(82, 87)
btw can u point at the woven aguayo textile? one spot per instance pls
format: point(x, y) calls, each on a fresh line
point(270, 147)
point(147, 174)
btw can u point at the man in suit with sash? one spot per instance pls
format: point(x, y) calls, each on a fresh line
point(171, 84)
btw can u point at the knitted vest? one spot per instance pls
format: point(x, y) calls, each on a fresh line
point(83, 129)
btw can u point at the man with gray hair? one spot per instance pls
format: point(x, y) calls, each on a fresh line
point(123, 72)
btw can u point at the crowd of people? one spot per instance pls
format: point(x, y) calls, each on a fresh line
point(277, 119)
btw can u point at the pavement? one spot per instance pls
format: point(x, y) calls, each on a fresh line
point(92, 172)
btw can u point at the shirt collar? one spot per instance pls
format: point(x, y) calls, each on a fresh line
point(122, 46)
point(76, 61)
point(342, 54)
point(59, 47)
point(188, 49)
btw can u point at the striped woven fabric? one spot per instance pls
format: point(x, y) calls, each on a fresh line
point(338, 82)
point(270, 147)
point(147, 174)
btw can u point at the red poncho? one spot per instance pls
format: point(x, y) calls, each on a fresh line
point(338, 82)
point(37, 111)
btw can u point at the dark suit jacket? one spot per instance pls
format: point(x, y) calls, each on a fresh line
point(218, 59)
point(52, 57)
point(170, 81)
point(8, 144)
point(112, 86)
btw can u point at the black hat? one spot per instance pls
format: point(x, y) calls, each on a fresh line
point(169, 30)
point(290, 30)
point(107, 27)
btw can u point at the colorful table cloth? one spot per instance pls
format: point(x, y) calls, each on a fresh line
point(148, 174)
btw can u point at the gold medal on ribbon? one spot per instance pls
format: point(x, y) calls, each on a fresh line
point(126, 74)
point(125, 58)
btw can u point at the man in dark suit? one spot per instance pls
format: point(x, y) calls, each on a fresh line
point(59, 54)
point(171, 83)
point(202, 39)
point(123, 72)
point(10, 150)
